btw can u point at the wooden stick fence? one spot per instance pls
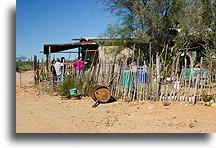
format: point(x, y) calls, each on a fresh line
point(136, 83)
point(177, 87)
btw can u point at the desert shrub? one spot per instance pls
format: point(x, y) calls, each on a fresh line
point(87, 84)
point(64, 88)
point(23, 64)
point(21, 68)
point(208, 98)
point(205, 97)
point(83, 85)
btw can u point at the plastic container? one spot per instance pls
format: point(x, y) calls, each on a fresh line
point(73, 91)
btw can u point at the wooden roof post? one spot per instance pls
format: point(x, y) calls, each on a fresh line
point(79, 52)
point(48, 59)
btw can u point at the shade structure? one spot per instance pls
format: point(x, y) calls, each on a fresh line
point(54, 48)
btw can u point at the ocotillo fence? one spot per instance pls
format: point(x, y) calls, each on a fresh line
point(145, 82)
point(136, 81)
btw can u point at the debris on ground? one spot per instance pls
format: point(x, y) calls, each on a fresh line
point(167, 107)
point(191, 125)
point(211, 102)
point(37, 94)
point(207, 103)
point(214, 104)
point(173, 117)
point(55, 94)
point(200, 103)
point(166, 103)
point(150, 107)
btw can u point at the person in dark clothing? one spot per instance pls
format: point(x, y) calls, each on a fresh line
point(87, 64)
point(52, 69)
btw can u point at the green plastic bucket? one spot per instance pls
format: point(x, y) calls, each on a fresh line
point(73, 91)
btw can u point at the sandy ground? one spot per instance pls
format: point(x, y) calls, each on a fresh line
point(38, 112)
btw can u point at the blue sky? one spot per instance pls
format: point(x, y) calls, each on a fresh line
point(40, 22)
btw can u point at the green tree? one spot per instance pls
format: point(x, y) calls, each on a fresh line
point(146, 20)
point(23, 63)
point(21, 58)
point(197, 23)
point(184, 23)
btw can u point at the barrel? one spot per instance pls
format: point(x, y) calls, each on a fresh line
point(100, 93)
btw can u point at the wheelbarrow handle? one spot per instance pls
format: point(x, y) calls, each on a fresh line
point(96, 104)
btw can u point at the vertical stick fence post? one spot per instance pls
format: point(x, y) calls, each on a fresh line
point(150, 71)
point(35, 70)
point(38, 72)
point(158, 76)
point(195, 91)
point(201, 78)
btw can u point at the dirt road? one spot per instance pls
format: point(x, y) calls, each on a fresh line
point(38, 112)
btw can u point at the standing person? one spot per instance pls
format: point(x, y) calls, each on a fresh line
point(63, 68)
point(58, 68)
point(133, 67)
point(63, 61)
point(79, 67)
point(133, 74)
point(52, 69)
point(87, 64)
point(145, 70)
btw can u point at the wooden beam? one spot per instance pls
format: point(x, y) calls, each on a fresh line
point(48, 59)
point(90, 50)
point(77, 39)
point(78, 52)
point(68, 52)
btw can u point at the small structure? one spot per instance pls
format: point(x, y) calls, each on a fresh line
point(83, 47)
point(90, 47)
point(132, 74)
